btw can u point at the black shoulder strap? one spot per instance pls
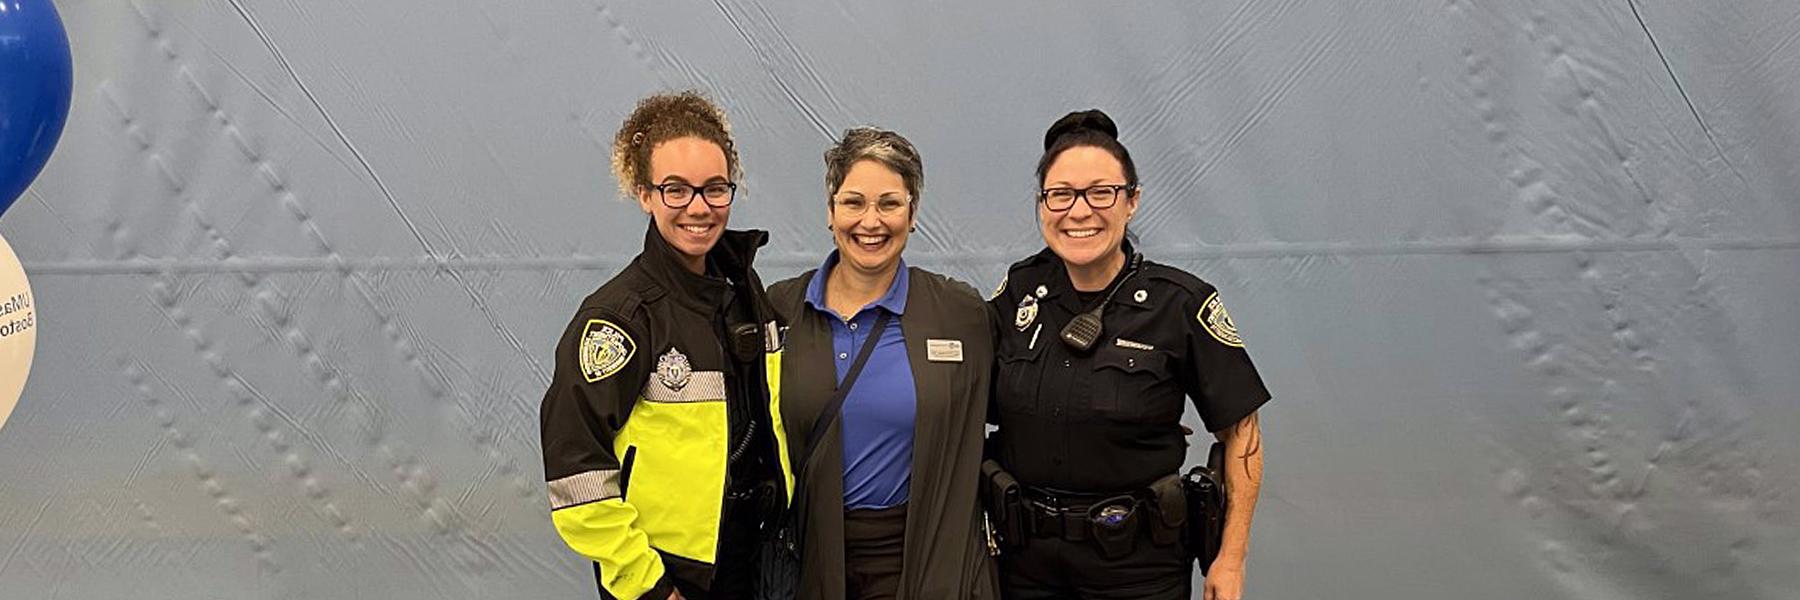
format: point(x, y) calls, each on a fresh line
point(836, 404)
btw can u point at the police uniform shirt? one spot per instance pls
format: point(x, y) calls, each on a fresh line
point(1109, 420)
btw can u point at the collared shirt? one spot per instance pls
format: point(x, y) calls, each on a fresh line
point(878, 413)
point(1109, 420)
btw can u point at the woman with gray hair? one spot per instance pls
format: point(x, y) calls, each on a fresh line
point(884, 395)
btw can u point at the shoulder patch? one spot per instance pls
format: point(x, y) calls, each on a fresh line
point(605, 348)
point(1000, 288)
point(1217, 322)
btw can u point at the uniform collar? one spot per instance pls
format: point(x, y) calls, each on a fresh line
point(727, 262)
point(1056, 282)
point(894, 300)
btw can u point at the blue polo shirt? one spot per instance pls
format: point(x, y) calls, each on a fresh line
point(877, 418)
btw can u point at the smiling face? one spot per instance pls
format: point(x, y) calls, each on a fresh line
point(1083, 235)
point(691, 230)
point(871, 241)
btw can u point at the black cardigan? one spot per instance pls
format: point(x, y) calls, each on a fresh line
point(945, 555)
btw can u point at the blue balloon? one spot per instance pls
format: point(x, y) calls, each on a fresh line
point(35, 83)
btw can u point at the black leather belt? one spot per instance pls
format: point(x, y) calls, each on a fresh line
point(1048, 520)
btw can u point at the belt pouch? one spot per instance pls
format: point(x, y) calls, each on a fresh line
point(1113, 524)
point(1006, 509)
point(1171, 510)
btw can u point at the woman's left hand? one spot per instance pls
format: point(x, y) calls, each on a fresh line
point(1225, 582)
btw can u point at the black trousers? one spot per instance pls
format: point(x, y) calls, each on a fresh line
point(1053, 568)
point(874, 544)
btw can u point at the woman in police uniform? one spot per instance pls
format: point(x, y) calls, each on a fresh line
point(662, 444)
point(1089, 417)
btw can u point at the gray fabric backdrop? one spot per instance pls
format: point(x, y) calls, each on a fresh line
point(1522, 275)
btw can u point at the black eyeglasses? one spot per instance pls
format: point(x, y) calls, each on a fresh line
point(1059, 199)
point(679, 195)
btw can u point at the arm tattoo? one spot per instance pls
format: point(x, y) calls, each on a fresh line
point(1249, 426)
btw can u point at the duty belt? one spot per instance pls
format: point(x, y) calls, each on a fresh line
point(1071, 516)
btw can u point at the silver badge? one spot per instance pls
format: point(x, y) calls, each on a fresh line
point(673, 370)
point(1027, 312)
point(1141, 296)
point(1041, 290)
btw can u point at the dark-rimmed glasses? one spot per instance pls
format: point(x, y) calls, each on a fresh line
point(1059, 199)
point(679, 195)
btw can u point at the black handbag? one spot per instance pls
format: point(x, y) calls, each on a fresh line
point(1206, 502)
point(778, 564)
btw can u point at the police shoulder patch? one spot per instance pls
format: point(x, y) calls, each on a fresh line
point(1217, 322)
point(605, 348)
point(1000, 288)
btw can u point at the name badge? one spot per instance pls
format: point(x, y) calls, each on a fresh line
point(943, 350)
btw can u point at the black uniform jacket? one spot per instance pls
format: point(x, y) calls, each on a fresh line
point(650, 416)
point(1109, 420)
point(945, 553)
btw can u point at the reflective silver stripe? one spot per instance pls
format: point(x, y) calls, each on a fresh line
point(582, 488)
point(772, 337)
point(702, 386)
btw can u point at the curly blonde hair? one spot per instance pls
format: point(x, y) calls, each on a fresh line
point(662, 117)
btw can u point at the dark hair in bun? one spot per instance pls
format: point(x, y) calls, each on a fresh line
point(1080, 120)
point(1085, 128)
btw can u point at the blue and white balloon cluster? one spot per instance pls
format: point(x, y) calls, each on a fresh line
point(35, 83)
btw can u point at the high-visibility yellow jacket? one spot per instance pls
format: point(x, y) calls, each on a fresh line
point(647, 408)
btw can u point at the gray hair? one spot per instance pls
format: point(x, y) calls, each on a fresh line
point(879, 145)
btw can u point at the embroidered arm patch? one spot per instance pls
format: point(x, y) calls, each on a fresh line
point(1217, 322)
point(605, 349)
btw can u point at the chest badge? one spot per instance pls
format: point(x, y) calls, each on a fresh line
point(1027, 313)
point(673, 370)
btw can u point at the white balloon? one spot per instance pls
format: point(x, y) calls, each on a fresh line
point(18, 329)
